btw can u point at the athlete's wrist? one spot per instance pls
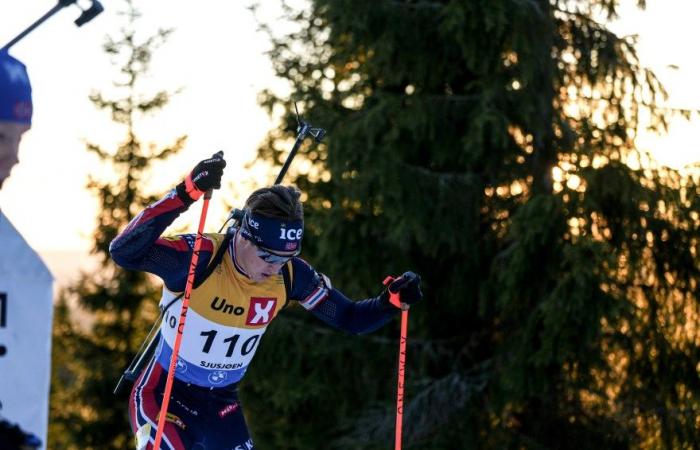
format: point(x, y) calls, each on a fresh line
point(183, 195)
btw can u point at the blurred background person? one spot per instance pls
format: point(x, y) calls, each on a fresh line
point(25, 288)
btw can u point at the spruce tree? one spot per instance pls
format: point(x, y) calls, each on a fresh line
point(489, 146)
point(119, 305)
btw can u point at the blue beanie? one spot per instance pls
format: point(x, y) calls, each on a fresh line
point(15, 90)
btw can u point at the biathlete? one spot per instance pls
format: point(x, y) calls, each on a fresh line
point(249, 275)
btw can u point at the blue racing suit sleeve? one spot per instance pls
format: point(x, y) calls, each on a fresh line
point(141, 247)
point(314, 292)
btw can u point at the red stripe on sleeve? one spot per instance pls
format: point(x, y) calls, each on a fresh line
point(176, 243)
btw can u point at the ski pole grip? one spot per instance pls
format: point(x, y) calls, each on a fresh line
point(208, 194)
point(394, 297)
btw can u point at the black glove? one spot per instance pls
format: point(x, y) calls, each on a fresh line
point(408, 288)
point(13, 437)
point(205, 175)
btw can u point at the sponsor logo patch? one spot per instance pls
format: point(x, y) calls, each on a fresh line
point(261, 311)
point(247, 445)
point(253, 223)
point(186, 408)
point(181, 366)
point(217, 377)
point(291, 234)
point(233, 407)
point(220, 304)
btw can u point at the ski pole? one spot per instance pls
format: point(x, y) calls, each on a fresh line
point(395, 299)
point(86, 16)
point(304, 130)
point(181, 323)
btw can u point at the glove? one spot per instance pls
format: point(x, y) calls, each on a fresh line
point(13, 436)
point(408, 288)
point(205, 175)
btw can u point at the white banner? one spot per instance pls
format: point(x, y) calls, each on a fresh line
point(26, 309)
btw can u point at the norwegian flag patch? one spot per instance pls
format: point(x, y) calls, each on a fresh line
point(315, 298)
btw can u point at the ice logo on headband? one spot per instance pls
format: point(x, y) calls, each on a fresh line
point(273, 234)
point(253, 223)
point(293, 235)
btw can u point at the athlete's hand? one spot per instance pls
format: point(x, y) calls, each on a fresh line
point(205, 175)
point(408, 288)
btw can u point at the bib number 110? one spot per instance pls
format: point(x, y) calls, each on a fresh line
point(247, 346)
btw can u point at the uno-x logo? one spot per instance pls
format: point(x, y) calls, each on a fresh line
point(220, 304)
point(291, 234)
point(262, 310)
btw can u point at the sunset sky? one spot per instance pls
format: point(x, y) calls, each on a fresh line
point(217, 56)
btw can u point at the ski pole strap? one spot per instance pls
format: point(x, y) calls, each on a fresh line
point(394, 297)
point(192, 190)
